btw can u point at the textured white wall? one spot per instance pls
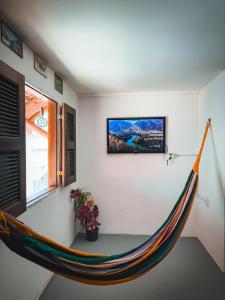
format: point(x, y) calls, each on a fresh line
point(210, 225)
point(136, 192)
point(19, 278)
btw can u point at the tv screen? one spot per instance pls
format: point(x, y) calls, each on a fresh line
point(136, 135)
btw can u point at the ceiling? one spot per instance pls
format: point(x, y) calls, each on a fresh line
point(118, 46)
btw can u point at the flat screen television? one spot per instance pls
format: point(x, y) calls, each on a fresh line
point(136, 135)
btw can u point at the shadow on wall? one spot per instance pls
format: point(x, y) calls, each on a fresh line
point(217, 166)
point(219, 176)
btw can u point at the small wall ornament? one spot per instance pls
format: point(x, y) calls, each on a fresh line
point(58, 84)
point(40, 65)
point(11, 39)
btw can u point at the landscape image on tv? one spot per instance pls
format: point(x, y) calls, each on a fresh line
point(136, 135)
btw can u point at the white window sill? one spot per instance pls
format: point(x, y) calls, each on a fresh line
point(40, 198)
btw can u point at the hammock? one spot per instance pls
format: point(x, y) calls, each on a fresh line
point(98, 269)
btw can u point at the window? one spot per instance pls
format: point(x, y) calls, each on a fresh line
point(40, 115)
point(29, 170)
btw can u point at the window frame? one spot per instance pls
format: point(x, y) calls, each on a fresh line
point(57, 146)
point(18, 143)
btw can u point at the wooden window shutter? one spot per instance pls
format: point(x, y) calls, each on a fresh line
point(12, 141)
point(68, 145)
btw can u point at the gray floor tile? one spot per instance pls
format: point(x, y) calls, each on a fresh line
point(187, 273)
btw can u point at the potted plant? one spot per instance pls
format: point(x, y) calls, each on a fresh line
point(86, 212)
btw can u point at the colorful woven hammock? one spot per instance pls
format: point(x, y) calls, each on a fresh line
point(98, 269)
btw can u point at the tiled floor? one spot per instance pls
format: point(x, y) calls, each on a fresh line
point(187, 273)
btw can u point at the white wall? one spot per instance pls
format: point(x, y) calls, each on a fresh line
point(136, 192)
point(210, 225)
point(19, 278)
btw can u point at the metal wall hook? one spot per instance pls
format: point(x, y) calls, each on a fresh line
point(170, 156)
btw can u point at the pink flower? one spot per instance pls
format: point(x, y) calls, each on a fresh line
point(75, 193)
point(85, 209)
